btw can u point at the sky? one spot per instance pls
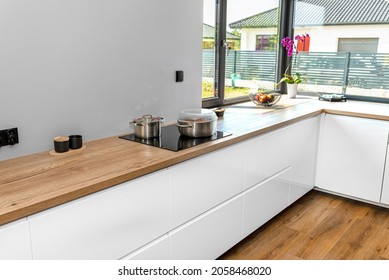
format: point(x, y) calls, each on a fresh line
point(237, 9)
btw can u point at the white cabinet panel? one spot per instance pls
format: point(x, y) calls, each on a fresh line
point(106, 225)
point(211, 234)
point(15, 241)
point(202, 183)
point(293, 145)
point(303, 148)
point(156, 250)
point(302, 144)
point(351, 156)
point(298, 190)
point(385, 184)
point(266, 155)
point(264, 201)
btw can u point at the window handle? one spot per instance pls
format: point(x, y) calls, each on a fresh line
point(226, 45)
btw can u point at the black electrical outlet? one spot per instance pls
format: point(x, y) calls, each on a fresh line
point(9, 136)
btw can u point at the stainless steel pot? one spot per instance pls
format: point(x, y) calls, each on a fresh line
point(197, 122)
point(147, 126)
point(197, 128)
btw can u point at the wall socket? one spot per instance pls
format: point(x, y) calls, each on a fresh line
point(9, 136)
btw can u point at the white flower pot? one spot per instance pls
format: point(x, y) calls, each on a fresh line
point(292, 90)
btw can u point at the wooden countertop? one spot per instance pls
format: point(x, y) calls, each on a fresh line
point(36, 182)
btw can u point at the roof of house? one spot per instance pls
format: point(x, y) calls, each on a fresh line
point(209, 33)
point(324, 12)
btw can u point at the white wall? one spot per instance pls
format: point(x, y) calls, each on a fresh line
point(89, 66)
point(325, 38)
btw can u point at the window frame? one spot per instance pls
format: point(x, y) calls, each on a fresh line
point(285, 28)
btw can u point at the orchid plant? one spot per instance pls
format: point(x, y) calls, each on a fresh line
point(291, 46)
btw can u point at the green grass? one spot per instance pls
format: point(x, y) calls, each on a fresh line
point(230, 92)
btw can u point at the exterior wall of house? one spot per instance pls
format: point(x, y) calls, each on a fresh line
point(325, 38)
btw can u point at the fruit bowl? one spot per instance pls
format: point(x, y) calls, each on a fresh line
point(265, 99)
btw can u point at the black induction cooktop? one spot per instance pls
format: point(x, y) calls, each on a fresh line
point(171, 139)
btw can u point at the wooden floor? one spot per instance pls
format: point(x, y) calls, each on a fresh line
point(319, 226)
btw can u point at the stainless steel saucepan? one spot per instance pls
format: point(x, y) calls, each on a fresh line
point(147, 126)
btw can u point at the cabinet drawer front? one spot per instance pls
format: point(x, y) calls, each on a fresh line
point(264, 201)
point(266, 155)
point(209, 236)
point(107, 225)
point(156, 250)
point(15, 241)
point(202, 183)
point(293, 145)
point(298, 190)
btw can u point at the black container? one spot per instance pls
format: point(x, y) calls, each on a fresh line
point(75, 142)
point(61, 144)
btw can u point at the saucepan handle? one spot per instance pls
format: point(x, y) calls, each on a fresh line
point(185, 125)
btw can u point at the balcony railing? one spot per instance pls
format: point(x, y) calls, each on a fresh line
point(340, 69)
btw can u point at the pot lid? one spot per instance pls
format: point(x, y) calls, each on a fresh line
point(197, 114)
point(147, 119)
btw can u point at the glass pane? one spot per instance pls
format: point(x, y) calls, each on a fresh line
point(252, 37)
point(348, 49)
point(358, 45)
point(209, 35)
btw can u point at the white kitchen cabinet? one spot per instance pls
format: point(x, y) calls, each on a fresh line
point(204, 182)
point(267, 155)
point(351, 156)
point(303, 151)
point(209, 235)
point(297, 190)
point(292, 146)
point(158, 249)
point(385, 183)
point(15, 241)
point(302, 145)
point(265, 200)
point(107, 225)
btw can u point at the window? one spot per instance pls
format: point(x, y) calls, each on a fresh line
point(348, 50)
point(239, 49)
point(266, 43)
point(358, 45)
